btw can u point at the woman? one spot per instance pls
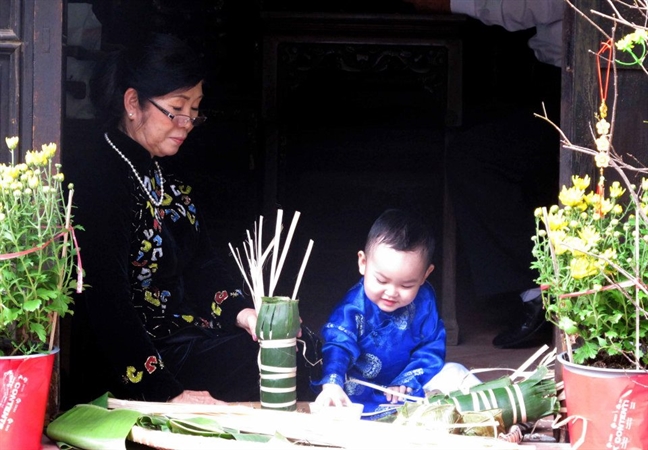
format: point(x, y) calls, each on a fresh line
point(161, 320)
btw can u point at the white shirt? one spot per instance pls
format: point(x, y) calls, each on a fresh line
point(545, 15)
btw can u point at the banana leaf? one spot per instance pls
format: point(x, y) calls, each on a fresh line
point(94, 427)
point(277, 328)
point(90, 426)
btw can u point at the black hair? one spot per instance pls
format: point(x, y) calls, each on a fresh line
point(160, 64)
point(404, 231)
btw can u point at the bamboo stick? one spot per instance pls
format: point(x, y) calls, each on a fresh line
point(284, 252)
point(273, 268)
point(302, 268)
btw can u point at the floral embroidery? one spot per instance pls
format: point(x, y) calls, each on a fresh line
point(151, 364)
point(220, 297)
point(133, 375)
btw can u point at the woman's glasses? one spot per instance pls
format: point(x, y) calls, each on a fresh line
point(181, 120)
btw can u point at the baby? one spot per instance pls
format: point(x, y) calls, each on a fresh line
point(386, 331)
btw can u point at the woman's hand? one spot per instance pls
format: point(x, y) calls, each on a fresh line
point(395, 398)
point(196, 398)
point(332, 394)
point(247, 319)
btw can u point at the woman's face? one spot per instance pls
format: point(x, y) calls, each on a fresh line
point(154, 130)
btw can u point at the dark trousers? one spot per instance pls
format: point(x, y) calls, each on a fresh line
point(226, 366)
point(499, 171)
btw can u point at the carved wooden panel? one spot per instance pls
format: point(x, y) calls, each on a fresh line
point(424, 65)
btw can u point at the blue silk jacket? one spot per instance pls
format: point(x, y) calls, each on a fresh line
point(402, 348)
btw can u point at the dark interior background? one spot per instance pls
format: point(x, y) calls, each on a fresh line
point(352, 146)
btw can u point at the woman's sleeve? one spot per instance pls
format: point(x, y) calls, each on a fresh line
point(105, 213)
point(514, 15)
point(211, 286)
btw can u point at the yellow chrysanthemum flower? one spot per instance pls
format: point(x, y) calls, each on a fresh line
point(12, 142)
point(576, 245)
point(557, 240)
point(582, 268)
point(581, 183)
point(556, 221)
point(589, 236)
point(605, 206)
point(609, 254)
point(48, 150)
point(616, 190)
point(593, 198)
point(571, 197)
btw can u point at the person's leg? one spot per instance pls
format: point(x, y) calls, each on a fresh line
point(499, 171)
point(226, 366)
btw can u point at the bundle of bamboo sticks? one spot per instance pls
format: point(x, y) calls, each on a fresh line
point(252, 267)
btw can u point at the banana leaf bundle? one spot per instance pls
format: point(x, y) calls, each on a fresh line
point(277, 328)
point(503, 400)
point(446, 417)
point(277, 317)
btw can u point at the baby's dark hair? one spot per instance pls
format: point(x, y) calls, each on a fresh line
point(404, 231)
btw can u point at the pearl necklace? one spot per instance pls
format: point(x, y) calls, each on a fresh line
point(158, 171)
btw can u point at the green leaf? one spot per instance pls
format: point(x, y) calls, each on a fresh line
point(93, 427)
point(199, 426)
point(586, 351)
point(568, 325)
point(32, 305)
point(39, 330)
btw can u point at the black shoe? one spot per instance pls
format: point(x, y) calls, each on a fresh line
point(534, 329)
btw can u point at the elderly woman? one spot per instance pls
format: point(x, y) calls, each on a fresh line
point(161, 319)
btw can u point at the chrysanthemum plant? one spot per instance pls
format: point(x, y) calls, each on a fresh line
point(591, 251)
point(37, 255)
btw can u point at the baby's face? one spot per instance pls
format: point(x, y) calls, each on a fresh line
point(392, 278)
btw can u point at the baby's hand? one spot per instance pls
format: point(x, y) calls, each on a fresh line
point(332, 394)
point(395, 398)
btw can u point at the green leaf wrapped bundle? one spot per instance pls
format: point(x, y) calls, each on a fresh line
point(525, 401)
point(277, 328)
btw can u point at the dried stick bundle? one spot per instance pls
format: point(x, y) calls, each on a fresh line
point(252, 266)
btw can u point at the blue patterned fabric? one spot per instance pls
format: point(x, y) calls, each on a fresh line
point(402, 348)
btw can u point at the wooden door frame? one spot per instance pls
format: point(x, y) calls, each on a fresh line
point(31, 47)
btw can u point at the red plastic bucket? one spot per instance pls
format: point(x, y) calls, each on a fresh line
point(24, 390)
point(607, 408)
